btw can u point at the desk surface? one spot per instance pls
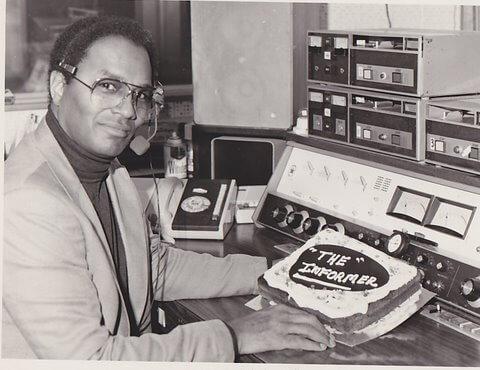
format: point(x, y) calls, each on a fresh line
point(419, 341)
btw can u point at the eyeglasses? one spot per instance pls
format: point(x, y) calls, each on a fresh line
point(110, 92)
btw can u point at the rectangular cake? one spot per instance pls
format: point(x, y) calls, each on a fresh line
point(347, 284)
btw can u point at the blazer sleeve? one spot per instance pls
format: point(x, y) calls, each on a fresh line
point(49, 293)
point(180, 274)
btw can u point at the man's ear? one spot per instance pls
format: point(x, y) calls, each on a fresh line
point(57, 86)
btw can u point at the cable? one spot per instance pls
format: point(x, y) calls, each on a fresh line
point(149, 302)
point(387, 11)
point(155, 130)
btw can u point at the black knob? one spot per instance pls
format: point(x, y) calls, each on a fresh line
point(313, 225)
point(294, 219)
point(397, 243)
point(470, 289)
point(422, 259)
point(280, 213)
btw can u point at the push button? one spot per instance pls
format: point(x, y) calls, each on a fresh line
point(395, 139)
point(473, 153)
point(397, 77)
point(439, 146)
point(367, 74)
point(367, 134)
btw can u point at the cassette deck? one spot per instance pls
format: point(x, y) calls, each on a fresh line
point(402, 61)
point(376, 121)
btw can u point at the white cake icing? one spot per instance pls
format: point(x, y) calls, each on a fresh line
point(339, 303)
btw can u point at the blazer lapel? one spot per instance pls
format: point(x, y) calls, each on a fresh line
point(126, 205)
point(67, 177)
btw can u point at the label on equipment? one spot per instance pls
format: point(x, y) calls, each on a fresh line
point(316, 96)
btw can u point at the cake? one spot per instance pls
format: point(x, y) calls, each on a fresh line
point(347, 284)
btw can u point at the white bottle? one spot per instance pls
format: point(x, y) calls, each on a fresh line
point(174, 153)
point(301, 127)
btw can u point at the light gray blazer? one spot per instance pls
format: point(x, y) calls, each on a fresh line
point(61, 297)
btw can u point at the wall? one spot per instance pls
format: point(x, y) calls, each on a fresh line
point(242, 63)
point(364, 16)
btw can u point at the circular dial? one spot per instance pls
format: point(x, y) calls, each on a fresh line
point(397, 243)
point(470, 289)
point(195, 204)
point(294, 219)
point(312, 225)
point(279, 214)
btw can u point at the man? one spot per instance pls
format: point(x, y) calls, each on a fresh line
point(79, 271)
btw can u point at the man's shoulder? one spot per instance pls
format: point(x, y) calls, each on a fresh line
point(27, 167)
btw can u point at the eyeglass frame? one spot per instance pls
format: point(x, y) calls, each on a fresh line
point(71, 70)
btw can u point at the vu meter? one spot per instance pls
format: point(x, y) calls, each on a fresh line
point(409, 204)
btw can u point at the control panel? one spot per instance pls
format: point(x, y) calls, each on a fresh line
point(453, 133)
point(381, 122)
point(328, 57)
point(408, 62)
point(432, 225)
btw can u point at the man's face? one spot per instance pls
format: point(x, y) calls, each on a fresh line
point(99, 130)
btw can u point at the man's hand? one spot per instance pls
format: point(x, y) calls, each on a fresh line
point(280, 327)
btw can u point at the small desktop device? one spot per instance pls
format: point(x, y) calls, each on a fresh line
point(205, 210)
point(248, 160)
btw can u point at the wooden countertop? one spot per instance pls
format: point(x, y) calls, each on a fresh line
point(419, 341)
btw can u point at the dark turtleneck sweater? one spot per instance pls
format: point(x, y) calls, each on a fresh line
point(92, 171)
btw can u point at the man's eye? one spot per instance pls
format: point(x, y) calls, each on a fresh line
point(108, 86)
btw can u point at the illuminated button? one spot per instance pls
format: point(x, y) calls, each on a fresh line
point(367, 74)
point(397, 77)
point(327, 112)
point(395, 139)
point(327, 55)
point(473, 153)
point(367, 134)
point(439, 146)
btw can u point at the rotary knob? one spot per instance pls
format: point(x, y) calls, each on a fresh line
point(470, 289)
point(295, 221)
point(280, 214)
point(397, 243)
point(312, 225)
point(440, 266)
point(338, 227)
point(438, 286)
point(422, 259)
